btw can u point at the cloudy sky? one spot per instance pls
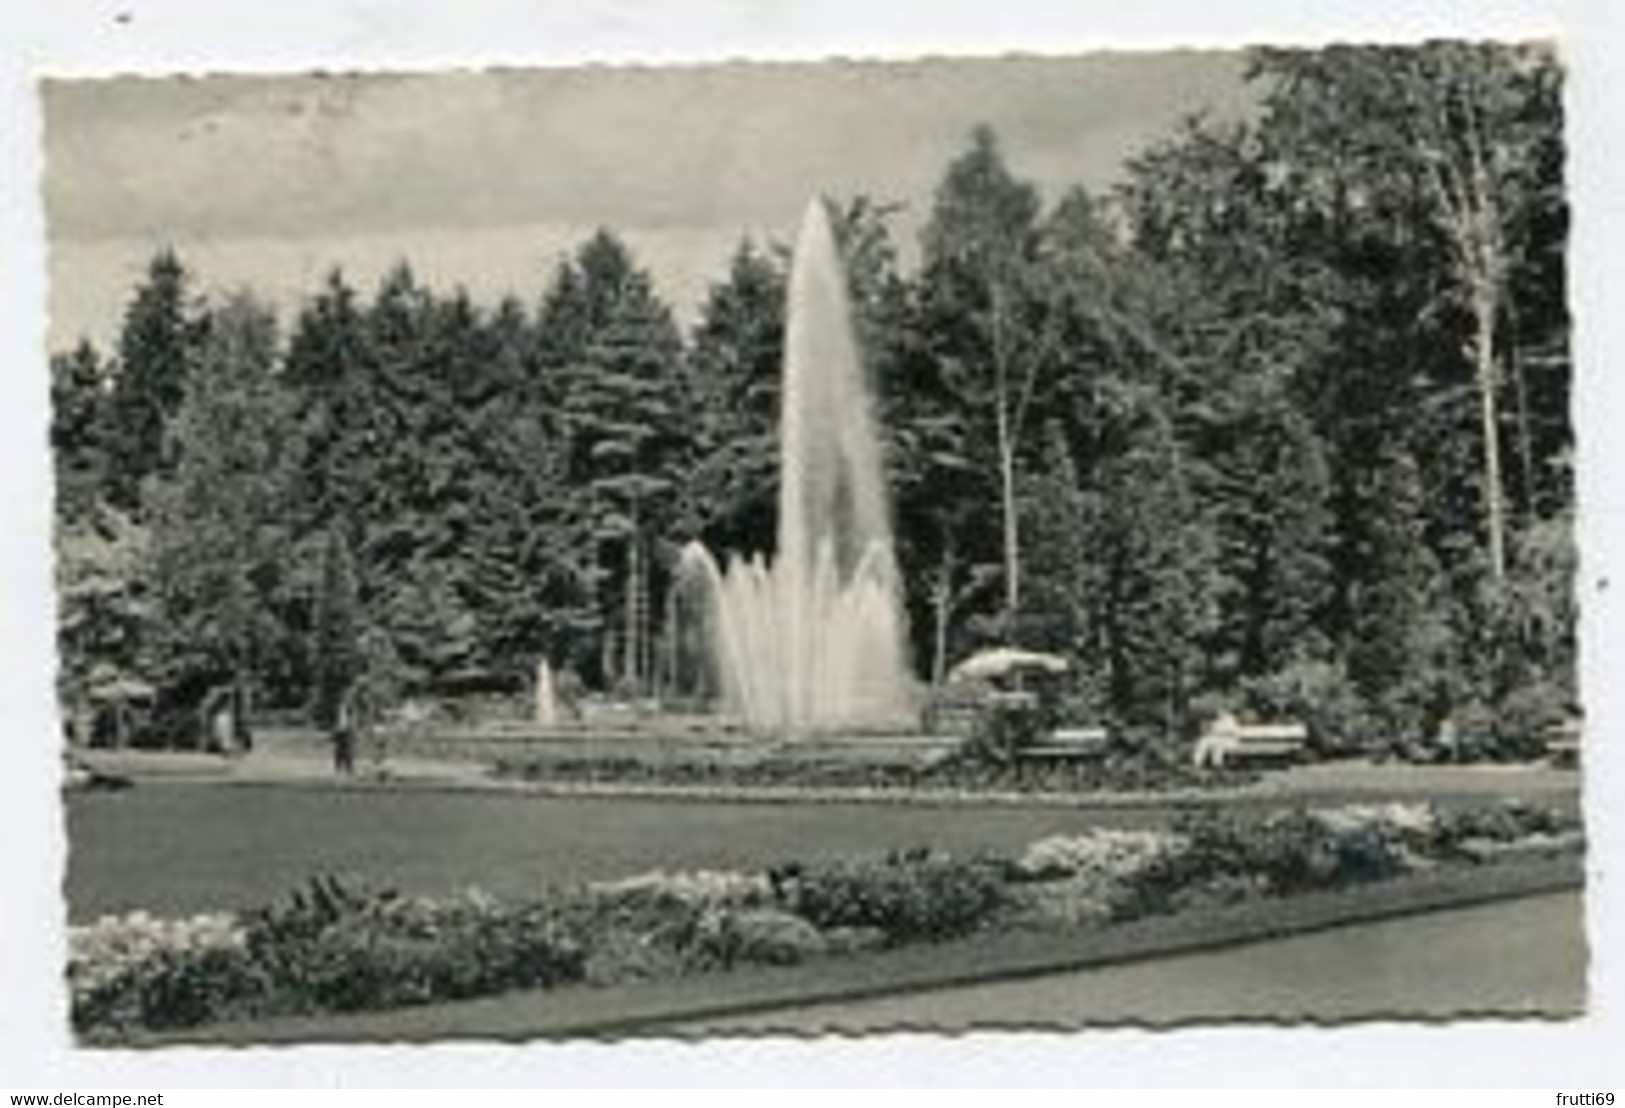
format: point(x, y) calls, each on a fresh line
point(486, 178)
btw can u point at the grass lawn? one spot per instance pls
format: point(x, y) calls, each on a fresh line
point(180, 848)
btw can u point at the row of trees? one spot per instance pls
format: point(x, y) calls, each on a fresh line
point(1281, 419)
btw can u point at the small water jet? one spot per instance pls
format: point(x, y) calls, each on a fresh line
point(814, 641)
point(546, 708)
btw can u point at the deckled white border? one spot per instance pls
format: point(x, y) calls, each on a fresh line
point(155, 36)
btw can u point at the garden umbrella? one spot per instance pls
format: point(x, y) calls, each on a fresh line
point(121, 690)
point(1002, 661)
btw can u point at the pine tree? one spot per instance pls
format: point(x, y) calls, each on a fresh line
point(1156, 557)
point(1061, 589)
point(627, 413)
point(1402, 657)
point(327, 371)
point(529, 566)
point(426, 373)
point(624, 419)
point(1275, 529)
point(734, 365)
point(79, 381)
point(337, 626)
point(217, 531)
point(158, 346)
point(580, 298)
point(522, 570)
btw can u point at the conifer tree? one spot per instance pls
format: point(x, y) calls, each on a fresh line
point(157, 348)
point(218, 534)
point(79, 382)
point(735, 363)
point(336, 661)
point(1401, 650)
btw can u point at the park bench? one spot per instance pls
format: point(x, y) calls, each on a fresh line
point(1563, 743)
point(1228, 742)
point(953, 710)
point(1068, 744)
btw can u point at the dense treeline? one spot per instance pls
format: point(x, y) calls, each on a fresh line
point(1279, 423)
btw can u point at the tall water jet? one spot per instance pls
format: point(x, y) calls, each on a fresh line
point(814, 641)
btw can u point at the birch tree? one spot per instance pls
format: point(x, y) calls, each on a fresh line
point(1445, 130)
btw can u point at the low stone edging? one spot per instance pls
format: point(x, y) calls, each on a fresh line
point(726, 794)
point(1263, 790)
point(858, 794)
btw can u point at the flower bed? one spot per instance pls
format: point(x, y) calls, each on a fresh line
point(1117, 773)
point(332, 947)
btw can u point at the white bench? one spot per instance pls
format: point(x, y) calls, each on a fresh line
point(1069, 744)
point(1228, 742)
point(1563, 743)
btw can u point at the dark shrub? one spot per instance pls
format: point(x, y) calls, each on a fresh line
point(1526, 714)
point(1229, 888)
point(638, 932)
point(350, 968)
point(909, 897)
point(1217, 849)
point(333, 947)
point(526, 949)
point(763, 936)
point(305, 913)
point(1498, 823)
point(1298, 853)
point(655, 918)
point(1287, 853)
point(1317, 694)
point(372, 961)
point(1005, 726)
point(616, 957)
point(212, 985)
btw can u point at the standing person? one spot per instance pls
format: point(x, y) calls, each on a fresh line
point(377, 693)
point(344, 732)
point(214, 721)
point(223, 726)
point(1448, 739)
point(568, 689)
point(241, 733)
point(369, 736)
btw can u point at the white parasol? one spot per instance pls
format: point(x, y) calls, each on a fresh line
point(1002, 661)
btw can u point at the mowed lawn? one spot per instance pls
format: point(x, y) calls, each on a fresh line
point(180, 848)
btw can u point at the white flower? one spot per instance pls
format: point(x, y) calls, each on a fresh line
point(1104, 852)
point(1417, 818)
point(707, 887)
point(101, 952)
